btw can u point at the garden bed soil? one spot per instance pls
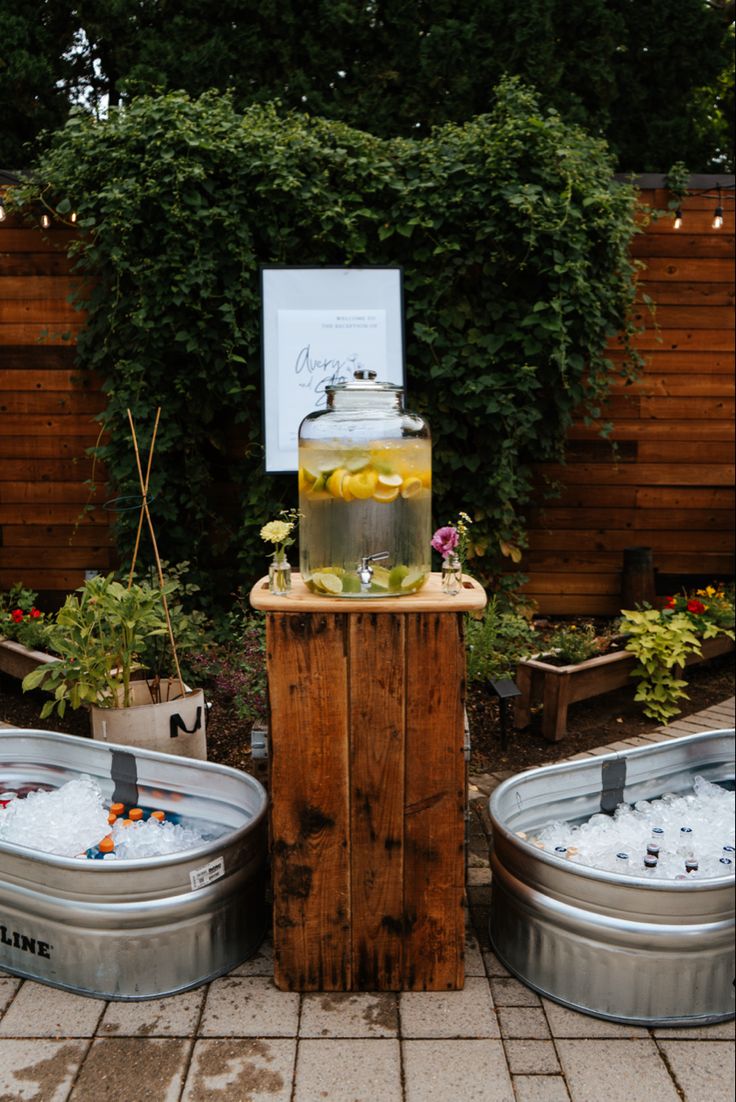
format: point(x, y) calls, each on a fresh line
point(591, 723)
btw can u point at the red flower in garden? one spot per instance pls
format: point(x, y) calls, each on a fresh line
point(34, 614)
point(16, 615)
point(695, 606)
point(669, 602)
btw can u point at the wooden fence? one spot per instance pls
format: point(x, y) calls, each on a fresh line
point(669, 487)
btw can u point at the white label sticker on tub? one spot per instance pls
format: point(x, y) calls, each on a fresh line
point(200, 878)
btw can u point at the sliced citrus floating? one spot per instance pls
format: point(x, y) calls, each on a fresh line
point(329, 583)
point(413, 580)
point(411, 487)
point(390, 479)
point(396, 575)
point(362, 485)
point(385, 493)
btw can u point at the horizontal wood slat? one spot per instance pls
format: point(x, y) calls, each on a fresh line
point(648, 474)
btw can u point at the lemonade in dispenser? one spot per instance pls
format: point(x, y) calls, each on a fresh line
point(365, 477)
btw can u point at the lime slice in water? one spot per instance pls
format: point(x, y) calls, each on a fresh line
point(396, 575)
point(413, 580)
point(380, 576)
point(329, 583)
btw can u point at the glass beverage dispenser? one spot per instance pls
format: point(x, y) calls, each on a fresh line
point(365, 476)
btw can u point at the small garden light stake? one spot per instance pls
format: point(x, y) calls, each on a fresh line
point(505, 689)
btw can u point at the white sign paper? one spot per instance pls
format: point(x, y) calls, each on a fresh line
point(319, 326)
point(318, 348)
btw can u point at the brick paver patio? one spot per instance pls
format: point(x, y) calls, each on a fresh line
point(240, 1039)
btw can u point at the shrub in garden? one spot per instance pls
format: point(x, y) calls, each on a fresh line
point(498, 640)
point(514, 242)
point(662, 640)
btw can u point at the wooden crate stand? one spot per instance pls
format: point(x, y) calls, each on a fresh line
point(368, 789)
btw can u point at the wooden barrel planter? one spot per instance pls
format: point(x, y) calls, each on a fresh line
point(556, 687)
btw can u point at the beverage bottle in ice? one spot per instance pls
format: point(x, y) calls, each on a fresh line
point(686, 842)
point(653, 849)
point(650, 864)
point(691, 865)
point(621, 862)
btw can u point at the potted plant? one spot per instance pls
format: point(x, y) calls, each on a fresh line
point(102, 636)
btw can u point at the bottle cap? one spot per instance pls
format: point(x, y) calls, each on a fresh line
point(106, 845)
point(160, 815)
point(117, 809)
point(135, 814)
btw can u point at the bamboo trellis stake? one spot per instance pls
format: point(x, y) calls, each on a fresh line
point(145, 514)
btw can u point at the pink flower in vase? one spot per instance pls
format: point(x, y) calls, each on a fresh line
point(445, 540)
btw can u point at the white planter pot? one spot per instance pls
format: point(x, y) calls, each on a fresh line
point(175, 726)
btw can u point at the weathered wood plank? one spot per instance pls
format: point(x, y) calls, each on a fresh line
point(20, 288)
point(44, 311)
point(434, 870)
point(35, 240)
point(616, 539)
point(42, 580)
point(687, 249)
point(635, 520)
point(573, 561)
point(50, 470)
point(40, 492)
point(670, 292)
point(40, 333)
point(685, 316)
point(51, 536)
point(689, 269)
point(642, 474)
point(308, 690)
point(49, 445)
point(37, 425)
point(377, 647)
point(21, 404)
point(679, 386)
point(702, 451)
point(36, 381)
point(689, 431)
point(680, 340)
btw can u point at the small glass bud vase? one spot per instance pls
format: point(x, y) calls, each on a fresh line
point(279, 576)
point(452, 576)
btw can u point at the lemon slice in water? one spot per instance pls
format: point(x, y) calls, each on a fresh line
point(411, 487)
point(329, 583)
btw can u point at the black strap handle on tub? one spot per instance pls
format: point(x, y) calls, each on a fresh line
point(177, 724)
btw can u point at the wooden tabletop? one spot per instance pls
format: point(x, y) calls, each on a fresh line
point(430, 598)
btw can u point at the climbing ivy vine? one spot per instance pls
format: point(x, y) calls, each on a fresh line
point(514, 242)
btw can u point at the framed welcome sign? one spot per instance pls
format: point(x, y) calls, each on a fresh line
point(319, 325)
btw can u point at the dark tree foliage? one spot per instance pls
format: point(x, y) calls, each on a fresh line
point(655, 79)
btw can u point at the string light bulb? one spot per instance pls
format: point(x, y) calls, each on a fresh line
point(678, 219)
point(718, 216)
point(45, 221)
point(3, 212)
point(73, 217)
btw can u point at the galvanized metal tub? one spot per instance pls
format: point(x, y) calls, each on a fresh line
point(618, 947)
point(134, 929)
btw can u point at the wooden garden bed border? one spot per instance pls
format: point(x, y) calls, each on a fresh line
point(556, 687)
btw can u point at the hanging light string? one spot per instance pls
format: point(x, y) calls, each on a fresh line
point(717, 222)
